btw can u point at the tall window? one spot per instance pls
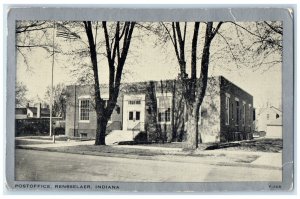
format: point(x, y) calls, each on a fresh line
point(227, 107)
point(137, 115)
point(84, 110)
point(164, 115)
point(237, 112)
point(250, 114)
point(131, 115)
point(164, 109)
point(244, 113)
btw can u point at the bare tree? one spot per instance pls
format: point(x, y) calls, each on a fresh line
point(21, 91)
point(261, 50)
point(59, 100)
point(193, 88)
point(117, 46)
point(32, 35)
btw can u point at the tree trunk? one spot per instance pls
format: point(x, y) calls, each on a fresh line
point(101, 130)
point(192, 129)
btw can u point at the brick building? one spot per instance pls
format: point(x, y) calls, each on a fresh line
point(226, 113)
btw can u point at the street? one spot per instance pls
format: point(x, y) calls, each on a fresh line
point(35, 165)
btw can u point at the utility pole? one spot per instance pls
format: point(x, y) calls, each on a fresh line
point(51, 94)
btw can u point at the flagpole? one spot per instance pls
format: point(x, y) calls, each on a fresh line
point(51, 93)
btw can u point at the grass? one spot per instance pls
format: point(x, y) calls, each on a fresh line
point(166, 145)
point(103, 150)
point(259, 145)
point(146, 154)
point(30, 142)
point(256, 145)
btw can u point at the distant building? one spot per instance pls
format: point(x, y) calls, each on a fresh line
point(274, 128)
point(269, 120)
point(21, 113)
point(226, 113)
point(32, 112)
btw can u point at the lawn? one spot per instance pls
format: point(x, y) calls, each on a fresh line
point(260, 145)
point(30, 142)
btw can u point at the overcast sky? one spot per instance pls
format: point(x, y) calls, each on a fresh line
point(149, 62)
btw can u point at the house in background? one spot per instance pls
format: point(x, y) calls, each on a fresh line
point(226, 113)
point(36, 111)
point(269, 120)
point(274, 128)
point(21, 113)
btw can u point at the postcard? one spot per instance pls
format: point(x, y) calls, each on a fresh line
point(149, 100)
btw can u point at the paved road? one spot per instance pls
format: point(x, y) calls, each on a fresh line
point(53, 166)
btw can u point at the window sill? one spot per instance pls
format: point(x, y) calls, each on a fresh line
point(84, 121)
point(164, 122)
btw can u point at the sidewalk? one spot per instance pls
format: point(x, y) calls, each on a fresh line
point(213, 157)
point(50, 144)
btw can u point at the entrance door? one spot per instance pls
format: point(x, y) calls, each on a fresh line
point(134, 112)
point(133, 119)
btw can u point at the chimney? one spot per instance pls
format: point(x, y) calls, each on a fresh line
point(38, 112)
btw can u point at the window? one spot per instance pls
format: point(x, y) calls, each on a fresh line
point(137, 115)
point(237, 112)
point(251, 117)
point(164, 115)
point(164, 108)
point(83, 135)
point(133, 102)
point(160, 117)
point(130, 115)
point(168, 115)
point(84, 110)
point(244, 113)
point(232, 110)
point(227, 110)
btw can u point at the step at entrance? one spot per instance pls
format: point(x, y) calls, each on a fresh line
point(117, 136)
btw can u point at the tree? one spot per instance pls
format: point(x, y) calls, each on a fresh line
point(117, 46)
point(267, 35)
point(32, 35)
point(264, 39)
point(59, 100)
point(21, 91)
point(256, 45)
point(193, 88)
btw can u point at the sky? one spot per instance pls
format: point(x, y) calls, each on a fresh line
point(148, 61)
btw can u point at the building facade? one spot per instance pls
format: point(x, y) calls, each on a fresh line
point(269, 120)
point(157, 109)
point(265, 116)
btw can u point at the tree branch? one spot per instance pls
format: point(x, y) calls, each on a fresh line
point(273, 28)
